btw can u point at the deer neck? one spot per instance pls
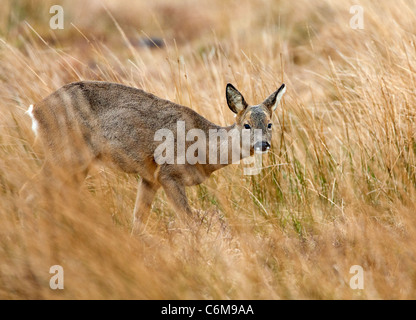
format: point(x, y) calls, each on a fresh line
point(228, 149)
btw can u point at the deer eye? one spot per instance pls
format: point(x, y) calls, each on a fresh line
point(269, 126)
point(247, 126)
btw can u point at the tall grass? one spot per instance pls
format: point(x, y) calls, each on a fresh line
point(338, 188)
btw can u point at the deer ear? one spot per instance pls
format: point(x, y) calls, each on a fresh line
point(235, 99)
point(273, 100)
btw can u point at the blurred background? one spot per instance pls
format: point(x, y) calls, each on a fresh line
point(338, 188)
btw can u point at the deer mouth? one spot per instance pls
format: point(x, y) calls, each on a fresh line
point(261, 152)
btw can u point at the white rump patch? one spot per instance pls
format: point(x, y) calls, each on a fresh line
point(35, 124)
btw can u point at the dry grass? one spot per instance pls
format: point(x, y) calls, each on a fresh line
point(339, 188)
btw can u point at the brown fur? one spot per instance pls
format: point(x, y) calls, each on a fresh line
point(87, 121)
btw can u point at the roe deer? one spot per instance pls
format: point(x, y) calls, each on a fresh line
point(90, 120)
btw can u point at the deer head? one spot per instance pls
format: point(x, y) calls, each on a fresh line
point(256, 118)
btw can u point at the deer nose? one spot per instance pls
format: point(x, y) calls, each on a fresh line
point(262, 146)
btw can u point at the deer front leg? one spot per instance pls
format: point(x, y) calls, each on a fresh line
point(175, 191)
point(145, 195)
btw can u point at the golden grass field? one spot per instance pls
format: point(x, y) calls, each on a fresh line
point(338, 188)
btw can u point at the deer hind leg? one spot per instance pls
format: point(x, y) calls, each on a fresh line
point(53, 178)
point(58, 172)
point(145, 195)
point(68, 170)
